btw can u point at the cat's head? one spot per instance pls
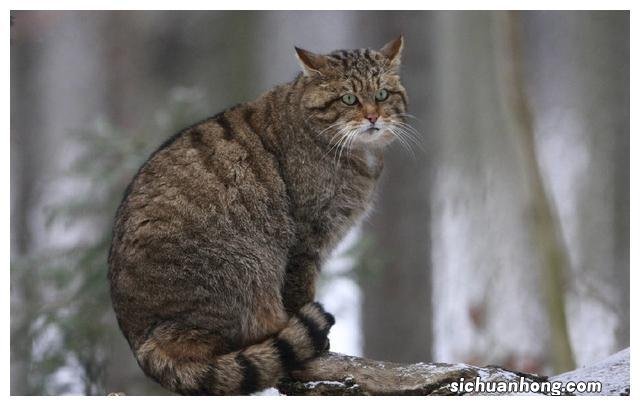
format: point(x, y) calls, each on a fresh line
point(354, 97)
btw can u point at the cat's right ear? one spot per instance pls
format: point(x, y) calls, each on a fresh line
point(311, 63)
point(393, 51)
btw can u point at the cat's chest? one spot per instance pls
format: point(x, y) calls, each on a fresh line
point(335, 197)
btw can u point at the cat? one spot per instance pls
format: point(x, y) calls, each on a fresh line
point(221, 234)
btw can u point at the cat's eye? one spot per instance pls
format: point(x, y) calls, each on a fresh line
point(382, 95)
point(349, 99)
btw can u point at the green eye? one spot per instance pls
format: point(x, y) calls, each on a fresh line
point(349, 99)
point(382, 94)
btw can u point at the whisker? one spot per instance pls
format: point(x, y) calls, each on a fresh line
point(350, 136)
point(407, 115)
point(329, 128)
point(345, 134)
point(342, 145)
point(407, 126)
point(410, 133)
point(338, 135)
point(405, 145)
point(408, 139)
point(350, 141)
point(401, 137)
point(341, 134)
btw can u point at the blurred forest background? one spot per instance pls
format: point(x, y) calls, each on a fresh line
point(504, 241)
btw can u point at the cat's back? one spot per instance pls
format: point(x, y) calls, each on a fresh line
point(211, 181)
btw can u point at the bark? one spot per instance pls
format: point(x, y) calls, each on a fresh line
point(337, 374)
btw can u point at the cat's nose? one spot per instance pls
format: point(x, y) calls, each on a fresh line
point(372, 117)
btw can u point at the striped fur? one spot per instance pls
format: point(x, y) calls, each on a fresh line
point(221, 234)
point(191, 371)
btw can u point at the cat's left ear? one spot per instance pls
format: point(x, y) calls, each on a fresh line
point(311, 63)
point(393, 51)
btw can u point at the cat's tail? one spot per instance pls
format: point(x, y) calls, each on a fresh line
point(178, 360)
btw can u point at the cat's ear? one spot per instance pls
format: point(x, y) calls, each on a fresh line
point(393, 51)
point(311, 63)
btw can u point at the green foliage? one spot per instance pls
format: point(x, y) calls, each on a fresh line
point(70, 330)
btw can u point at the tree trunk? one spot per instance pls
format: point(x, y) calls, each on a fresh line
point(576, 66)
point(483, 250)
point(395, 272)
point(554, 259)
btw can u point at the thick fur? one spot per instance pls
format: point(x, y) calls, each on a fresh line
point(188, 360)
point(220, 236)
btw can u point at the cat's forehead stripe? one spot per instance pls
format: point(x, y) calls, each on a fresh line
point(360, 66)
point(356, 57)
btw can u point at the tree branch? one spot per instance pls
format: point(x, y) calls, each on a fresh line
point(338, 374)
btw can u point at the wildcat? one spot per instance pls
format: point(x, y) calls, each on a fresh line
point(222, 232)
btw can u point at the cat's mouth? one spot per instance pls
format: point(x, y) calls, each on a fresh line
point(375, 135)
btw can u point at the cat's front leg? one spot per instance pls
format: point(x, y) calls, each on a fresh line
point(300, 281)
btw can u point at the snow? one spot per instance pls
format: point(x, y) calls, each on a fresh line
point(268, 392)
point(314, 384)
point(613, 372)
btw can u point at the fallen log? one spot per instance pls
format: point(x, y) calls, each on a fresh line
point(338, 374)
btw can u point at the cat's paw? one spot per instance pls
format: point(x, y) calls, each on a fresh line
point(318, 322)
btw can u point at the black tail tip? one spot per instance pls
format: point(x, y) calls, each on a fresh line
point(327, 316)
